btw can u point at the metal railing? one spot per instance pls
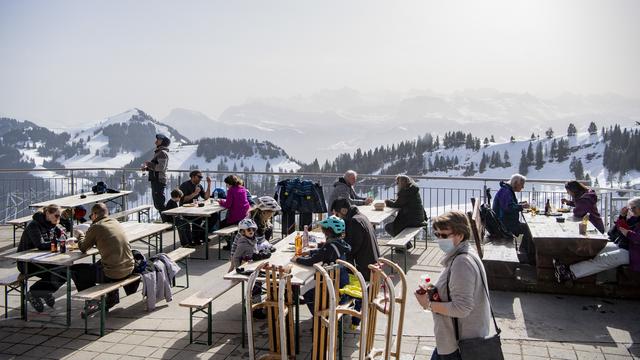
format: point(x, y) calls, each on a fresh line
point(19, 188)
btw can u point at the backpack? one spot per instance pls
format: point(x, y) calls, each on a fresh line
point(493, 225)
point(303, 196)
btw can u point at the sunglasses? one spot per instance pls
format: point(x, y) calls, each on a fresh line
point(442, 235)
point(57, 216)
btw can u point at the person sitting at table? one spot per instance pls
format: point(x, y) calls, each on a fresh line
point(411, 211)
point(333, 249)
point(116, 259)
point(622, 249)
point(244, 244)
point(174, 202)
point(508, 209)
point(236, 204)
point(193, 191)
point(266, 207)
point(39, 233)
point(343, 188)
point(585, 201)
point(361, 237)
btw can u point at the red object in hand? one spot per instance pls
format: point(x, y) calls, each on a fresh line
point(433, 293)
point(622, 223)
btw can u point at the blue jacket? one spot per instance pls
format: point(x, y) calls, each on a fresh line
point(505, 205)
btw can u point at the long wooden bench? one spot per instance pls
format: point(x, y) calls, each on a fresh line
point(223, 233)
point(500, 257)
point(402, 241)
point(19, 223)
point(99, 292)
point(12, 283)
point(202, 302)
point(140, 210)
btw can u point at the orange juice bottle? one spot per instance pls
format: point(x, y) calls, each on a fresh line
point(298, 244)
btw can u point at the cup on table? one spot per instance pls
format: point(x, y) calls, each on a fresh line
point(582, 229)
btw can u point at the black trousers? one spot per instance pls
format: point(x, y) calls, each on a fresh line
point(527, 246)
point(88, 275)
point(157, 193)
point(48, 283)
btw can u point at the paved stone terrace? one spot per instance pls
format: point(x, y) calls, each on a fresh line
point(535, 326)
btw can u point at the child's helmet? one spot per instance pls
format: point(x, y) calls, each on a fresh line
point(334, 223)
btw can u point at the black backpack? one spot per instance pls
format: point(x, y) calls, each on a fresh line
point(493, 225)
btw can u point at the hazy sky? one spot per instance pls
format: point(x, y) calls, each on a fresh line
point(68, 62)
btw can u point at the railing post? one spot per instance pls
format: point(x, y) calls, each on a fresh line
point(124, 179)
point(73, 185)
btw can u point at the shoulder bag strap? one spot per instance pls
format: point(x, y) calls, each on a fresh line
point(455, 320)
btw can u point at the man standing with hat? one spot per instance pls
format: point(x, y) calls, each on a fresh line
point(157, 169)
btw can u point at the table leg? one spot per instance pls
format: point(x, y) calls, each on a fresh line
point(206, 238)
point(174, 231)
point(244, 317)
point(25, 306)
point(296, 300)
point(161, 246)
point(68, 296)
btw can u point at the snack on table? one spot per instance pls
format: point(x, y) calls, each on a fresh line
point(378, 205)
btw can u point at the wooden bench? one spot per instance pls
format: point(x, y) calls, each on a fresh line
point(500, 257)
point(202, 302)
point(12, 283)
point(140, 210)
point(19, 223)
point(223, 233)
point(402, 240)
point(99, 292)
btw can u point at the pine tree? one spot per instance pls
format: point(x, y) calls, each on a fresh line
point(539, 156)
point(483, 163)
point(486, 142)
point(523, 168)
point(563, 150)
point(549, 133)
point(554, 150)
point(593, 129)
point(512, 139)
point(477, 144)
point(533, 136)
point(572, 131)
point(507, 163)
point(530, 156)
point(492, 139)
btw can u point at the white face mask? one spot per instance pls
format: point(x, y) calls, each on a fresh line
point(446, 245)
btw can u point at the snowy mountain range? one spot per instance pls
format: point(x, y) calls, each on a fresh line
point(331, 122)
point(127, 139)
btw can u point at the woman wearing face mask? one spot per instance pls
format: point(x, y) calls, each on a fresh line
point(44, 228)
point(460, 287)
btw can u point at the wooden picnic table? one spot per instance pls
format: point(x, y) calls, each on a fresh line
point(377, 217)
point(90, 198)
point(301, 275)
point(135, 231)
point(193, 215)
point(562, 241)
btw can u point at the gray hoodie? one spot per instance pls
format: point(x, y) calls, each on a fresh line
point(470, 304)
point(242, 247)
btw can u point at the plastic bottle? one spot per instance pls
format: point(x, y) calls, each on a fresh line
point(298, 244)
point(305, 237)
point(54, 246)
point(63, 246)
point(426, 287)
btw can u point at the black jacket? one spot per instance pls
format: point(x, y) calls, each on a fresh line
point(361, 236)
point(411, 213)
point(326, 253)
point(38, 235)
point(170, 205)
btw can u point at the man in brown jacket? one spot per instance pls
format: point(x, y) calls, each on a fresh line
point(116, 261)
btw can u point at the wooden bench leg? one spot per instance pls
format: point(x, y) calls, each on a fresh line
point(7, 290)
point(6, 302)
point(209, 313)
